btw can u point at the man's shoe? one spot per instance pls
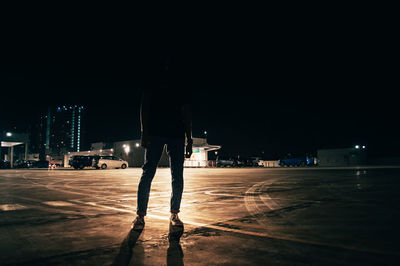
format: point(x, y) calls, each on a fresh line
point(138, 223)
point(175, 221)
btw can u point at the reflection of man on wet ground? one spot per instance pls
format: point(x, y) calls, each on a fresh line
point(165, 120)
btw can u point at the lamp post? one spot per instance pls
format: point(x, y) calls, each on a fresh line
point(11, 151)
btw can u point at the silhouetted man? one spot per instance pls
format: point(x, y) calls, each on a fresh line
point(165, 120)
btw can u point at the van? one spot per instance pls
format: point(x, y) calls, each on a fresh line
point(105, 162)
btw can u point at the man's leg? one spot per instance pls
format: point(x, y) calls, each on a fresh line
point(175, 148)
point(152, 157)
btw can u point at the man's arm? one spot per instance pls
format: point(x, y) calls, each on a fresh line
point(144, 120)
point(187, 119)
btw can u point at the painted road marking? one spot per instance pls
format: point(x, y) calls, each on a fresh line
point(251, 194)
point(12, 207)
point(58, 203)
point(245, 232)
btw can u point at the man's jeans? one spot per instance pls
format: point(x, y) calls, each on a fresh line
point(175, 149)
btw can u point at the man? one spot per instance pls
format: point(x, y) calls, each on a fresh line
point(165, 120)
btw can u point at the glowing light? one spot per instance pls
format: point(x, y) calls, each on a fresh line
point(137, 144)
point(363, 147)
point(357, 146)
point(8, 134)
point(127, 149)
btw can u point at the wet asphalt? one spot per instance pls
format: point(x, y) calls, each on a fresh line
point(247, 216)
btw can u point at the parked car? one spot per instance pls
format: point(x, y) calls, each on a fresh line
point(4, 164)
point(23, 164)
point(103, 162)
point(247, 161)
point(111, 162)
point(40, 164)
point(82, 161)
point(225, 162)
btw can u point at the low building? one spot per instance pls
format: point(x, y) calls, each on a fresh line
point(199, 157)
point(342, 157)
point(133, 153)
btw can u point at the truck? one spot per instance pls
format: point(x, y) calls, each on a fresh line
point(297, 161)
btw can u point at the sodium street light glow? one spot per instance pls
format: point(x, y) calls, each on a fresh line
point(127, 149)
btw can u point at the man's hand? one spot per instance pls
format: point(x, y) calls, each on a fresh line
point(189, 148)
point(145, 140)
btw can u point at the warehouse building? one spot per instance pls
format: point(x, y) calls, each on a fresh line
point(342, 157)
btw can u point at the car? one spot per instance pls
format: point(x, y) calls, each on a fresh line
point(82, 161)
point(40, 164)
point(4, 164)
point(242, 161)
point(111, 162)
point(23, 164)
point(225, 162)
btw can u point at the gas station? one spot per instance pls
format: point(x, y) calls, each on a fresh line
point(9, 141)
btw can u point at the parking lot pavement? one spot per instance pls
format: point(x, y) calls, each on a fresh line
point(337, 216)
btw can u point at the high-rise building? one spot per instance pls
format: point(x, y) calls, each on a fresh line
point(61, 129)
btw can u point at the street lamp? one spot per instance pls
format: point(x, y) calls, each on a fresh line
point(127, 149)
point(8, 134)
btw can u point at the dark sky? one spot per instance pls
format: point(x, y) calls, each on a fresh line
point(290, 89)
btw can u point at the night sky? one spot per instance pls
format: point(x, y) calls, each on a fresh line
point(288, 90)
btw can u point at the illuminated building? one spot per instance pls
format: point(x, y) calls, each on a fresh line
point(62, 129)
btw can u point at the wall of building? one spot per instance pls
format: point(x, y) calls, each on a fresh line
point(268, 163)
point(342, 157)
point(130, 151)
point(199, 158)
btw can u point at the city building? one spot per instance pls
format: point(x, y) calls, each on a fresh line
point(59, 131)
